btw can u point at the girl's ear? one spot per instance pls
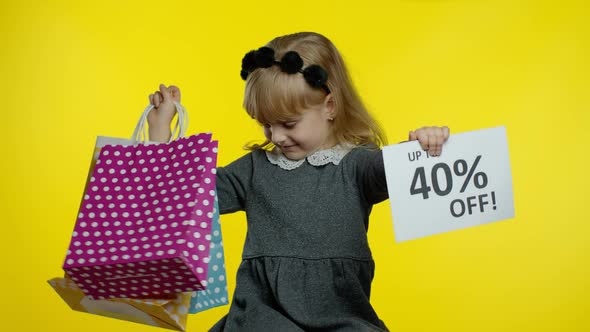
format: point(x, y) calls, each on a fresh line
point(329, 106)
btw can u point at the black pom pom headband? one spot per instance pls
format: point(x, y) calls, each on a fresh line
point(291, 63)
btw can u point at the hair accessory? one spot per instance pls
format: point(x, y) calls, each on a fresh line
point(265, 57)
point(291, 63)
point(315, 75)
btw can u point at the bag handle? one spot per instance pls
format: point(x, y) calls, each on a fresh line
point(140, 134)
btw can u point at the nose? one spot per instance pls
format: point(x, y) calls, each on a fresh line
point(278, 136)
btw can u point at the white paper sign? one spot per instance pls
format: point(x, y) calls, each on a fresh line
point(468, 185)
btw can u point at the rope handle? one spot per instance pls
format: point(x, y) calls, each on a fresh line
point(140, 133)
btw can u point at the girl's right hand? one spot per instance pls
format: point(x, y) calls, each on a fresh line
point(160, 118)
point(431, 138)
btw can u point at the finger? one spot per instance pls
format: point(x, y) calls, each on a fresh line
point(412, 136)
point(165, 94)
point(434, 137)
point(446, 133)
point(175, 92)
point(439, 142)
point(432, 145)
point(438, 151)
point(151, 98)
point(443, 138)
point(423, 139)
point(158, 99)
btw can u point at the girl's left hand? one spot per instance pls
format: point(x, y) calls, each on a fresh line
point(431, 138)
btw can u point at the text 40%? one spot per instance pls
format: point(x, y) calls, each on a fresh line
point(460, 168)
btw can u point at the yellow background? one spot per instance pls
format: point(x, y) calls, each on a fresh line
point(72, 70)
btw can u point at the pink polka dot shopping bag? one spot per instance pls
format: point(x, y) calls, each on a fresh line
point(166, 313)
point(144, 225)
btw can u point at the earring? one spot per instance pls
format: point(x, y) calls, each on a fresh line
point(330, 119)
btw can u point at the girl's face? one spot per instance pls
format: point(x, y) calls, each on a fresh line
point(304, 134)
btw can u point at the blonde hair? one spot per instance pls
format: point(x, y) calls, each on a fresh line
point(272, 95)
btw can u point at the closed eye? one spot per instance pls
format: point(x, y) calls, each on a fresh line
point(286, 124)
point(289, 124)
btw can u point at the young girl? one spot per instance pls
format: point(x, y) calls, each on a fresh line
point(307, 190)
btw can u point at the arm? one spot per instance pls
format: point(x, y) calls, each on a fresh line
point(234, 183)
point(161, 116)
point(371, 171)
point(370, 174)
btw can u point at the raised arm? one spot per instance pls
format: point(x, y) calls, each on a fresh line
point(161, 116)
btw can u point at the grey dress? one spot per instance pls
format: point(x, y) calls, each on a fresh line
point(306, 262)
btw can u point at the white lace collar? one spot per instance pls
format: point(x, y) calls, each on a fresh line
point(319, 158)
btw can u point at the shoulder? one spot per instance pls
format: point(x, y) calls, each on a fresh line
point(361, 153)
point(246, 161)
point(364, 159)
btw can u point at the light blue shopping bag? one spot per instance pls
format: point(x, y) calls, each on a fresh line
point(215, 293)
